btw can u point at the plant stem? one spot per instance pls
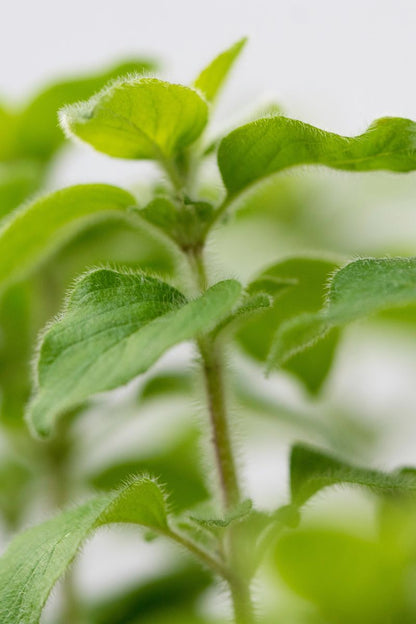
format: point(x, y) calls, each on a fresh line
point(212, 365)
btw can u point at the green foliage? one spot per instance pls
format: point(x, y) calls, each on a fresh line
point(359, 289)
point(267, 146)
point(17, 181)
point(311, 470)
point(39, 556)
point(38, 228)
point(297, 285)
point(138, 118)
point(211, 79)
point(110, 316)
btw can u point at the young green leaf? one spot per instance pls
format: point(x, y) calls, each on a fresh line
point(358, 290)
point(267, 146)
point(113, 317)
point(211, 79)
point(38, 557)
point(38, 135)
point(311, 470)
point(138, 118)
point(36, 229)
point(296, 285)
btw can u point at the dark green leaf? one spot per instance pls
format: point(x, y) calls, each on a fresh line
point(38, 557)
point(138, 118)
point(211, 79)
point(359, 289)
point(112, 317)
point(38, 133)
point(38, 228)
point(297, 285)
point(267, 146)
point(311, 470)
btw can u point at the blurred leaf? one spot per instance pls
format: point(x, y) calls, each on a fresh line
point(359, 289)
point(311, 470)
point(250, 306)
point(205, 517)
point(38, 557)
point(158, 598)
point(211, 79)
point(8, 122)
point(110, 316)
point(17, 182)
point(38, 132)
point(349, 578)
point(166, 383)
point(15, 352)
point(297, 285)
point(15, 480)
point(177, 467)
point(266, 146)
point(138, 118)
point(38, 228)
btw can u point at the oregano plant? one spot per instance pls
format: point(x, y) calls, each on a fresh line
point(118, 319)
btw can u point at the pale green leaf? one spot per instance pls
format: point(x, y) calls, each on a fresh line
point(296, 285)
point(211, 79)
point(38, 133)
point(38, 557)
point(138, 118)
point(358, 290)
point(17, 182)
point(267, 146)
point(130, 319)
point(36, 229)
point(312, 469)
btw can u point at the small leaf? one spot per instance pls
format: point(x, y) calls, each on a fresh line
point(267, 146)
point(311, 470)
point(38, 557)
point(358, 290)
point(112, 317)
point(296, 285)
point(165, 385)
point(36, 229)
point(206, 519)
point(211, 79)
point(38, 134)
point(138, 118)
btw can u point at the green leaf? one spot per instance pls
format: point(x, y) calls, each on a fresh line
point(211, 79)
point(112, 317)
point(156, 598)
point(183, 479)
point(358, 290)
point(38, 133)
point(165, 385)
point(138, 118)
point(312, 469)
point(38, 557)
point(17, 182)
point(296, 285)
point(38, 228)
point(205, 517)
point(349, 578)
point(267, 146)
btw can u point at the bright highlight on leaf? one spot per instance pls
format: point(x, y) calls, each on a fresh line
point(41, 226)
point(38, 557)
point(115, 326)
point(267, 146)
point(358, 290)
point(138, 118)
point(211, 79)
